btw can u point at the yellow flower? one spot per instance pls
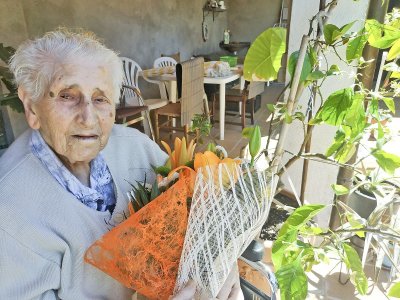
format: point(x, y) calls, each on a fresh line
point(182, 153)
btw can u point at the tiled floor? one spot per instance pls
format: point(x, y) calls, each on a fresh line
point(323, 279)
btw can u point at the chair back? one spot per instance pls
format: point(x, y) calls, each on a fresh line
point(255, 88)
point(164, 62)
point(131, 71)
point(176, 56)
point(190, 81)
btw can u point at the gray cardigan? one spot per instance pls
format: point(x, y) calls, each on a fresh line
point(45, 230)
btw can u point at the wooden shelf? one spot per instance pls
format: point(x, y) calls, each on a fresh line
point(213, 10)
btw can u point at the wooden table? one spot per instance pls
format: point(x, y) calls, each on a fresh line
point(170, 80)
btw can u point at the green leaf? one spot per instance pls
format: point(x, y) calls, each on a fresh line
point(280, 246)
point(288, 118)
point(395, 290)
point(155, 192)
point(340, 189)
point(387, 161)
point(300, 217)
point(271, 107)
point(394, 51)
point(211, 147)
point(345, 152)
point(315, 75)
point(162, 170)
point(263, 60)
point(390, 104)
point(330, 33)
point(292, 281)
point(255, 142)
point(353, 263)
point(338, 141)
point(356, 46)
point(334, 109)
point(307, 66)
point(333, 70)
point(247, 132)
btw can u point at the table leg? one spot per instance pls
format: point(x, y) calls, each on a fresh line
point(172, 87)
point(163, 92)
point(221, 111)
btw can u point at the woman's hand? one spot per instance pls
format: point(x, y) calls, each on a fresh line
point(186, 293)
point(230, 290)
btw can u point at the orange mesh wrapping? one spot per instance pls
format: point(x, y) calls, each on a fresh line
point(144, 251)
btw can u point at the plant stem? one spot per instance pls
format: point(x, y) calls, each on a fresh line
point(366, 229)
point(292, 103)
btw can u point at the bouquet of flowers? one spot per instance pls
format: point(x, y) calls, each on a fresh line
point(192, 223)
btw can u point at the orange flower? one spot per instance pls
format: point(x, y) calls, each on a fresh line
point(210, 159)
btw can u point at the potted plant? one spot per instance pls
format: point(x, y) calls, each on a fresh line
point(354, 111)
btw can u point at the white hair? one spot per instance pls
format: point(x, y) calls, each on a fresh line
point(36, 63)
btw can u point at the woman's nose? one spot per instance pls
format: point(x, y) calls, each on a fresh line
point(88, 113)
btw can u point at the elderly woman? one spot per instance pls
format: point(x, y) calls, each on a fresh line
point(64, 181)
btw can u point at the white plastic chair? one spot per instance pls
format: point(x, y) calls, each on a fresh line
point(131, 71)
point(162, 62)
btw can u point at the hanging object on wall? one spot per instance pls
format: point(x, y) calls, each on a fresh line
point(204, 31)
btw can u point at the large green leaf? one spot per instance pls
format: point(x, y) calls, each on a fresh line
point(355, 117)
point(381, 36)
point(292, 281)
point(395, 290)
point(307, 66)
point(353, 263)
point(356, 46)
point(263, 60)
point(387, 161)
point(335, 108)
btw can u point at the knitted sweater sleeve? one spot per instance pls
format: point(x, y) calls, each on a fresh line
point(25, 274)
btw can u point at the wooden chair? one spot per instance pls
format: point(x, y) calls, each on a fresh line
point(242, 97)
point(132, 114)
point(190, 84)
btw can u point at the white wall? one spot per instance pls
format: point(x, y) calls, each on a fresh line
point(320, 176)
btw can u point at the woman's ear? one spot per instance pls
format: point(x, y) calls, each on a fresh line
point(30, 113)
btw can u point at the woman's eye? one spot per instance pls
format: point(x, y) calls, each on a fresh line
point(68, 97)
point(100, 100)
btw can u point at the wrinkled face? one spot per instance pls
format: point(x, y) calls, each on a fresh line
point(76, 116)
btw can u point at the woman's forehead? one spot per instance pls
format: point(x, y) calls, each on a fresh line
point(95, 77)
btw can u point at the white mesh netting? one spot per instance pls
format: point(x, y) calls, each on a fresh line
point(230, 204)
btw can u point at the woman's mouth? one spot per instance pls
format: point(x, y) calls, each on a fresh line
point(86, 137)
